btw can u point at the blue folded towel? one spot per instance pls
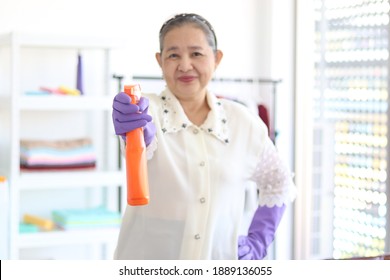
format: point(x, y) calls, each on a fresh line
point(81, 218)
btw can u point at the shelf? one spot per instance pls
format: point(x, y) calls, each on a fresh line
point(87, 236)
point(67, 103)
point(4, 102)
point(101, 185)
point(60, 41)
point(5, 39)
point(70, 179)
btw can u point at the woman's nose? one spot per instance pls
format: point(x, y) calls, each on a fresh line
point(185, 64)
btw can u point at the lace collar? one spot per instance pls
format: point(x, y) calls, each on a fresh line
point(174, 119)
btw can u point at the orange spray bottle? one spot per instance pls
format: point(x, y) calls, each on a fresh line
point(136, 163)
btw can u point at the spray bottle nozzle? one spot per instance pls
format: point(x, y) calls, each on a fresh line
point(134, 91)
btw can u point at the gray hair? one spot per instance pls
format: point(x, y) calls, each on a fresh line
point(183, 19)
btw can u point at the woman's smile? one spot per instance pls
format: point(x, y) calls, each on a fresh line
point(187, 78)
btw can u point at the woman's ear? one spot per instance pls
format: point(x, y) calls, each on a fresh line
point(218, 57)
point(158, 58)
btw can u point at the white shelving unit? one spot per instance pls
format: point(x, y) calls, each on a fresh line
point(44, 116)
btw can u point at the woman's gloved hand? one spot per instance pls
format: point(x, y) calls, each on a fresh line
point(261, 233)
point(127, 117)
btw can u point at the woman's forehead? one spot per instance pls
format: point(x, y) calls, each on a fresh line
point(185, 34)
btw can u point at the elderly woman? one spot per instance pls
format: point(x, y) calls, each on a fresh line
point(204, 153)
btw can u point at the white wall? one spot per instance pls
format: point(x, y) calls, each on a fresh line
point(256, 37)
point(139, 21)
point(282, 66)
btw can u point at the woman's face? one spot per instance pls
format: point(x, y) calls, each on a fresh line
point(187, 61)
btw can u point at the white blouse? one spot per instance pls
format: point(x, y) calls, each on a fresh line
point(200, 179)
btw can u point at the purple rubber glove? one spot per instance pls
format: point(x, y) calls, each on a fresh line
point(127, 117)
point(261, 233)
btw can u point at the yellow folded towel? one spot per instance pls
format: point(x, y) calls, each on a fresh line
point(69, 91)
point(43, 223)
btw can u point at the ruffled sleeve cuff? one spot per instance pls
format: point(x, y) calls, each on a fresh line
point(274, 179)
point(149, 149)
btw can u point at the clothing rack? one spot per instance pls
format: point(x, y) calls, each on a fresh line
point(235, 80)
point(273, 82)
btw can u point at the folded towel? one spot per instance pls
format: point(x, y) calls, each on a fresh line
point(57, 154)
point(43, 223)
point(28, 228)
point(54, 157)
point(56, 144)
point(52, 167)
point(81, 218)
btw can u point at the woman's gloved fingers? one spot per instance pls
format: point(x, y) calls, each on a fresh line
point(143, 104)
point(124, 118)
point(125, 108)
point(245, 252)
point(123, 128)
point(122, 103)
point(122, 98)
point(246, 257)
point(244, 249)
point(242, 240)
point(127, 117)
point(149, 133)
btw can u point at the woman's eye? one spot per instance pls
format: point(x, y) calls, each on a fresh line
point(197, 54)
point(172, 55)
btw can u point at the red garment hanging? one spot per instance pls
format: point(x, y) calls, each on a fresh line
point(263, 114)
